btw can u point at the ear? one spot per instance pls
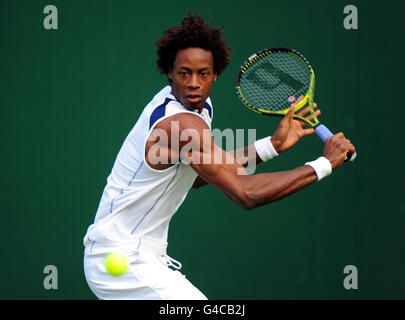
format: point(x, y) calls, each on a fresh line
point(170, 75)
point(215, 77)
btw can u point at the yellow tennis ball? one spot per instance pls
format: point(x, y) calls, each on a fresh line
point(116, 263)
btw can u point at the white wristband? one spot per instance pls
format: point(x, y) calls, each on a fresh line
point(322, 167)
point(265, 149)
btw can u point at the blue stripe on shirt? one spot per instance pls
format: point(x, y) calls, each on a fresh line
point(158, 113)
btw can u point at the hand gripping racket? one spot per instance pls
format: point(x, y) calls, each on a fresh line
point(271, 79)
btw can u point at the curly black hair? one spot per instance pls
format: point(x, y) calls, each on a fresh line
point(193, 32)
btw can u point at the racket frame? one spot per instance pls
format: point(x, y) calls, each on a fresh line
point(308, 98)
point(322, 131)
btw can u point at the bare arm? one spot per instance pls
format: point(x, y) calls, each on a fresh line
point(287, 134)
point(229, 177)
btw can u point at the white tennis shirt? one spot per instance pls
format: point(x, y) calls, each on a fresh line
point(139, 200)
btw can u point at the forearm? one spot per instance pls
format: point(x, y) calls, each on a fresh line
point(246, 157)
point(261, 189)
point(251, 156)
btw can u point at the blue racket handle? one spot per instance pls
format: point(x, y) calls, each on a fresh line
point(325, 133)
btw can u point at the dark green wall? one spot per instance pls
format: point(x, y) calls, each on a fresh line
point(69, 97)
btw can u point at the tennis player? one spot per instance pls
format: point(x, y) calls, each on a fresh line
point(169, 151)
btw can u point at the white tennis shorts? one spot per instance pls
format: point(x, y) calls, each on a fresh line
point(148, 277)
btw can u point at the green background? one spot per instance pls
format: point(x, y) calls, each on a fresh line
point(70, 96)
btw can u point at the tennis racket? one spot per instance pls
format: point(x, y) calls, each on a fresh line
point(271, 79)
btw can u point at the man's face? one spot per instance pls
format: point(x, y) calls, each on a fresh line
point(192, 77)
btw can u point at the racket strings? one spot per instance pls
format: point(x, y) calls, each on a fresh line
point(270, 81)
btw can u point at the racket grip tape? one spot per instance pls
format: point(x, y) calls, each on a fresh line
point(324, 133)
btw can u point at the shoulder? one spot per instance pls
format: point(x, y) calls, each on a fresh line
point(182, 121)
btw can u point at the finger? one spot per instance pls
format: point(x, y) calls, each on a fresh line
point(306, 110)
point(340, 135)
point(290, 113)
point(311, 117)
point(303, 112)
point(307, 132)
point(351, 147)
point(345, 146)
point(298, 100)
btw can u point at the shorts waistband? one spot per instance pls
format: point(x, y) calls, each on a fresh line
point(144, 243)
